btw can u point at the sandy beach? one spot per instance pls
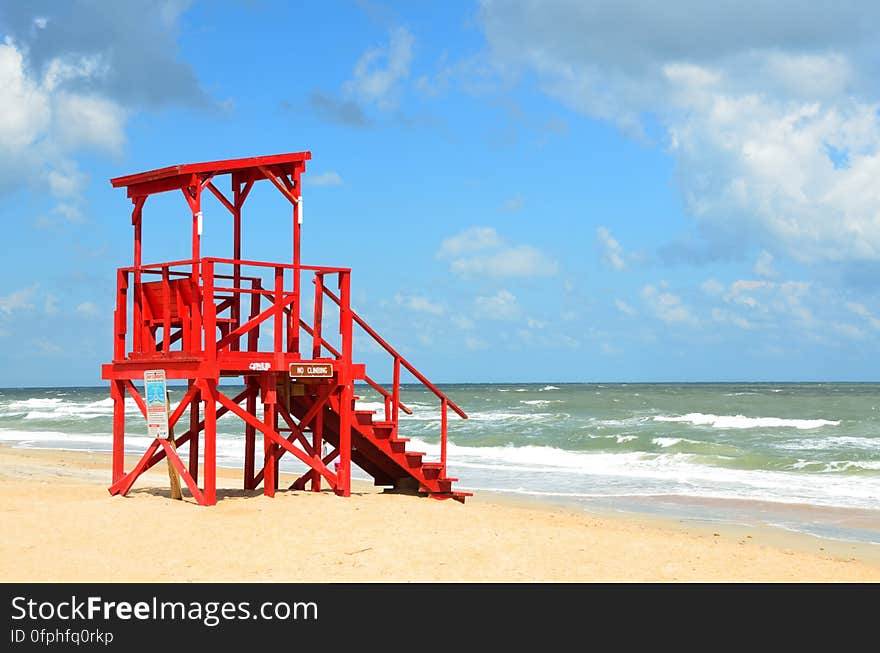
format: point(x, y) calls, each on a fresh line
point(60, 524)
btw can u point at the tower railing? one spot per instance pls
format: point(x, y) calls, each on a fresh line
point(205, 312)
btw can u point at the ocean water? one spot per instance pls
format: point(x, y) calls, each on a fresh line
point(798, 456)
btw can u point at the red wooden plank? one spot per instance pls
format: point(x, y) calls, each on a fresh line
point(226, 166)
point(123, 485)
point(275, 437)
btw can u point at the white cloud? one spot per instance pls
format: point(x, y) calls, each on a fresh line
point(87, 309)
point(69, 212)
point(728, 317)
point(67, 181)
point(712, 287)
point(624, 308)
point(463, 323)
point(667, 306)
point(42, 121)
point(419, 304)
point(380, 69)
point(17, 300)
point(517, 261)
point(612, 252)
point(470, 240)
point(764, 265)
point(481, 251)
point(774, 303)
point(863, 311)
point(89, 121)
point(51, 304)
point(324, 179)
point(773, 123)
point(503, 305)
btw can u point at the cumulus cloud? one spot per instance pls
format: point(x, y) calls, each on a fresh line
point(378, 72)
point(375, 82)
point(71, 74)
point(470, 240)
point(482, 251)
point(122, 51)
point(770, 109)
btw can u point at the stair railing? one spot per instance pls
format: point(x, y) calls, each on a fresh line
point(393, 403)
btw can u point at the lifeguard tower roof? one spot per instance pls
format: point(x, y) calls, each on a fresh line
point(245, 169)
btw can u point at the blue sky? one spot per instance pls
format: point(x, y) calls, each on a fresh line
point(526, 191)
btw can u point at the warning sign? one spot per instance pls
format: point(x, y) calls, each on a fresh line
point(311, 370)
point(157, 403)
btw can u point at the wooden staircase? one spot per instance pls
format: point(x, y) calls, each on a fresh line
point(379, 450)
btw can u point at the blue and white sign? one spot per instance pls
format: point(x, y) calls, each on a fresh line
point(156, 393)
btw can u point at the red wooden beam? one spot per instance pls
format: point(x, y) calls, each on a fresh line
point(137, 397)
point(184, 474)
point(123, 485)
point(220, 196)
point(268, 174)
point(276, 438)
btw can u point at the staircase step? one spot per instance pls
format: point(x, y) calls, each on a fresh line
point(398, 445)
point(364, 416)
point(444, 485)
point(414, 457)
point(382, 432)
point(457, 495)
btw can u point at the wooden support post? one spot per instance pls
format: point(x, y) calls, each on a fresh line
point(238, 201)
point(209, 394)
point(395, 394)
point(173, 478)
point(319, 313)
point(317, 444)
point(117, 392)
point(194, 420)
point(346, 397)
point(279, 313)
point(250, 437)
point(297, 261)
point(270, 482)
point(444, 409)
point(209, 309)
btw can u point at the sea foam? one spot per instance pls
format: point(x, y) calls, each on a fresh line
point(743, 422)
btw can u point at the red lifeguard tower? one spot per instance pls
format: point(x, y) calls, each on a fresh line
point(207, 318)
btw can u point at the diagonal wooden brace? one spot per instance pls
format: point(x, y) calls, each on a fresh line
point(183, 471)
point(123, 485)
point(277, 439)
